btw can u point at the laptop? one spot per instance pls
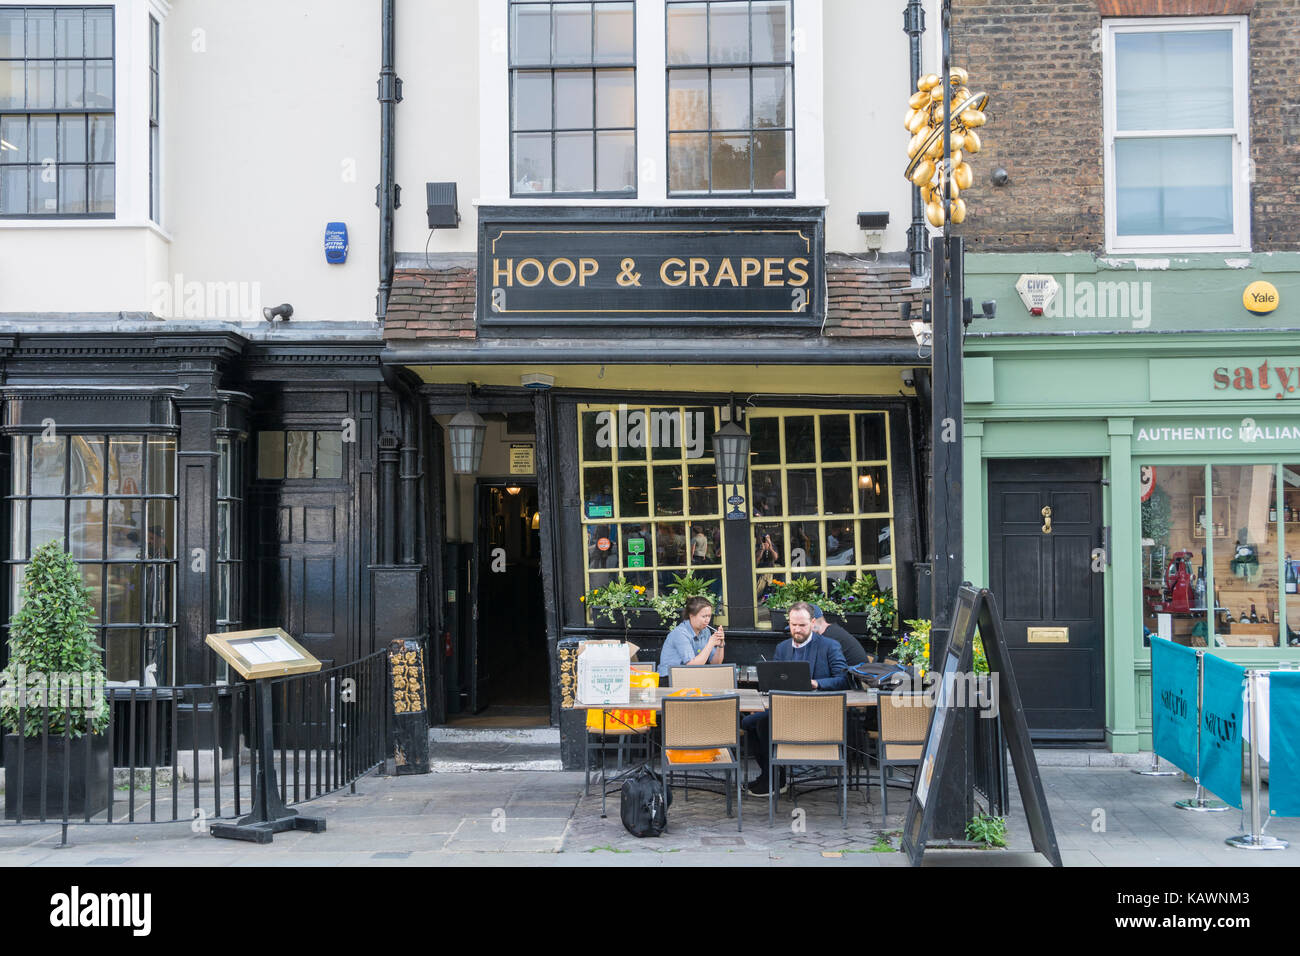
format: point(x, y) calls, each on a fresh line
point(784, 675)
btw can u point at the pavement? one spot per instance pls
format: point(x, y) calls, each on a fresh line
point(1103, 816)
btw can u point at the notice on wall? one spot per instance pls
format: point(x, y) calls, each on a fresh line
point(521, 458)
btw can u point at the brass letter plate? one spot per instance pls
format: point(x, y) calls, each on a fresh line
point(1049, 635)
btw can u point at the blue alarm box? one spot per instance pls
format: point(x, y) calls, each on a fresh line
point(336, 242)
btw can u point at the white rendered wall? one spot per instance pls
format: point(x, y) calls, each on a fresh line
point(271, 131)
point(868, 82)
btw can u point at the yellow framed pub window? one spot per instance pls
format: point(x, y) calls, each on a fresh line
point(821, 497)
point(651, 505)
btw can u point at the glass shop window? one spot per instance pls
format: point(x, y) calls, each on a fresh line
point(652, 508)
point(110, 501)
point(1217, 544)
point(299, 454)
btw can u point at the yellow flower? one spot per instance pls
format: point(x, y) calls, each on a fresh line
point(583, 599)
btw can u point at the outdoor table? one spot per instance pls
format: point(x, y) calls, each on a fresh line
point(751, 702)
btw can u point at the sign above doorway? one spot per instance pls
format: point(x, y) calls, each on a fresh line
point(639, 268)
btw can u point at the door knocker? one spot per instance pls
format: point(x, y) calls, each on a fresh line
point(1047, 520)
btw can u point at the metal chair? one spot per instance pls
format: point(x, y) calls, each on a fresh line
point(704, 676)
point(704, 724)
point(808, 729)
point(904, 723)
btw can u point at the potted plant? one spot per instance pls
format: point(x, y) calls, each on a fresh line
point(52, 647)
point(913, 650)
point(868, 609)
point(785, 593)
point(669, 606)
point(619, 604)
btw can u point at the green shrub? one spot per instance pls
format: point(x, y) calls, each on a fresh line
point(50, 634)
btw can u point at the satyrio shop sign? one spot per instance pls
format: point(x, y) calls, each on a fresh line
point(1220, 379)
point(1280, 379)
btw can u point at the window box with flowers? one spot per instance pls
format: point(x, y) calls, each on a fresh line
point(782, 594)
point(868, 609)
point(620, 605)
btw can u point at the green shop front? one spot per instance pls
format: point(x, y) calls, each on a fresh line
point(1132, 469)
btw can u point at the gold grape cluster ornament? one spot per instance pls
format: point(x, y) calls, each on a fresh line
point(926, 168)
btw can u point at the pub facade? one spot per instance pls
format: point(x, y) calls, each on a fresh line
point(642, 220)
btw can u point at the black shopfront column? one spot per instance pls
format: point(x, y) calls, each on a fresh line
point(548, 505)
point(196, 484)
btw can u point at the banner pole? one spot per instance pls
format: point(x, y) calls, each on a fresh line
point(1154, 770)
point(1198, 803)
point(1255, 839)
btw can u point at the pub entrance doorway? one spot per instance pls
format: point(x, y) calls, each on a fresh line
point(509, 666)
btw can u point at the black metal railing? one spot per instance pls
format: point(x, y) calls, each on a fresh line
point(989, 760)
point(171, 754)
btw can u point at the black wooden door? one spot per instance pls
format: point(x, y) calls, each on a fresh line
point(1050, 590)
point(300, 569)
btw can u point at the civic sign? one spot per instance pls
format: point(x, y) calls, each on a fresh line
point(1037, 292)
point(708, 271)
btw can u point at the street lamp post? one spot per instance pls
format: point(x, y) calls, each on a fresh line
point(942, 118)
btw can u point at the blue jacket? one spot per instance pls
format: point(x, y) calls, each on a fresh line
point(828, 667)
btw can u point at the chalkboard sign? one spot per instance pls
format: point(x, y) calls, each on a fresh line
point(977, 609)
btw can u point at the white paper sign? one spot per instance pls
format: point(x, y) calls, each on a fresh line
point(604, 674)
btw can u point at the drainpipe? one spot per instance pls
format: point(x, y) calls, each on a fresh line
point(388, 195)
point(914, 26)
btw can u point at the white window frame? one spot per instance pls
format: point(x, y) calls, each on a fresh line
point(130, 104)
point(651, 112)
point(1239, 239)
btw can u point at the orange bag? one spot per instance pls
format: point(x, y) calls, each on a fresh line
point(626, 721)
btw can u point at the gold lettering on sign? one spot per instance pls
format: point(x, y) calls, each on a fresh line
point(498, 272)
point(586, 269)
point(700, 271)
point(748, 269)
point(798, 271)
point(772, 272)
point(678, 275)
point(566, 263)
point(536, 279)
point(725, 271)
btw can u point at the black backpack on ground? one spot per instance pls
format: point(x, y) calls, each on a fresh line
point(641, 804)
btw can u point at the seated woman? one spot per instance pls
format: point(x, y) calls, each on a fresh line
point(692, 641)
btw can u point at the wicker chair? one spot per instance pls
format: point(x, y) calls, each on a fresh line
point(808, 729)
point(704, 724)
point(704, 676)
point(904, 723)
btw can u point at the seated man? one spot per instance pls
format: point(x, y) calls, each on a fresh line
point(829, 672)
point(854, 652)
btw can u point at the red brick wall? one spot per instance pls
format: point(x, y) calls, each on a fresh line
point(1041, 62)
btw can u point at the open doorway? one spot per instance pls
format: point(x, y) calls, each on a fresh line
point(510, 682)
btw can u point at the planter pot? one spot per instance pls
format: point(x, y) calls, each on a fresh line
point(855, 623)
point(779, 620)
point(88, 791)
point(625, 618)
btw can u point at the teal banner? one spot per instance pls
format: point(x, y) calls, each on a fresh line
point(1284, 744)
point(1173, 703)
point(1221, 723)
